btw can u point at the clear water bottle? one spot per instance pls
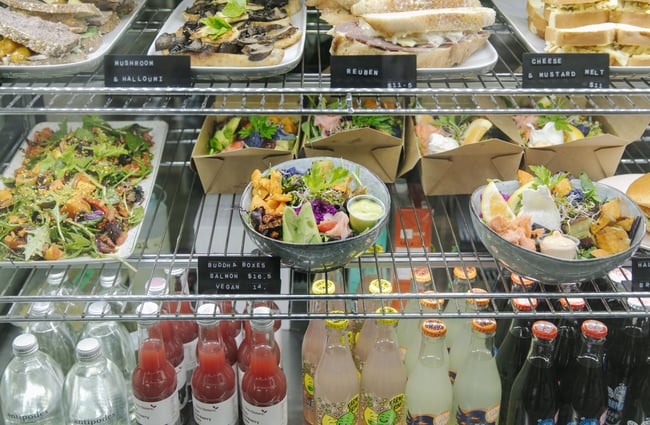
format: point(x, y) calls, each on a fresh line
point(111, 283)
point(57, 283)
point(31, 386)
point(54, 337)
point(94, 391)
point(116, 343)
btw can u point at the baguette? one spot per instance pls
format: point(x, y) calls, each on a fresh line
point(362, 7)
point(431, 20)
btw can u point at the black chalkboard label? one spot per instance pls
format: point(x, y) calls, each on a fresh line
point(239, 275)
point(146, 71)
point(640, 273)
point(566, 70)
point(374, 71)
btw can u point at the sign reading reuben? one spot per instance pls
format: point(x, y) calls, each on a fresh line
point(374, 71)
point(146, 71)
point(239, 275)
point(566, 70)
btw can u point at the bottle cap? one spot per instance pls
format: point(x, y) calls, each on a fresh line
point(99, 308)
point(323, 287)
point(466, 273)
point(434, 328)
point(594, 329)
point(480, 302)
point(147, 309)
point(24, 344)
point(524, 304)
point(40, 308)
point(262, 318)
point(520, 280)
point(88, 348)
point(156, 286)
point(543, 329)
point(336, 323)
point(55, 277)
point(386, 320)
point(638, 304)
point(421, 274)
point(380, 286)
point(205, 314)
point(176, 271)
point(484, 325)
point(431, 302)
point(573, 303)
point(109, 278)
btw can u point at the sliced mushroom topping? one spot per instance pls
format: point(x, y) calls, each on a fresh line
point(167, 40)
point(257, 52)
point(280, 33)
point(268, 15)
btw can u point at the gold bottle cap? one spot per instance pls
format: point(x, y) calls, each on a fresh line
point(484, 325)
point(380, 286)
point(434, 328)
point(421, 274)
point(336, 323)
point(431, 302)
point(466, 273)
point(387, 311)
point(480, 302)
point(323, 287)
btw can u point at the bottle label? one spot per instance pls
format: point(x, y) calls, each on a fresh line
point(342, 413)
point(308, 386)
point(615, 403)
point(478, 416)
point(645, 422)
point(181, 389)
point(265, 415)
point(428, 419)
point(106, 418)
point(379, 410)
point(452, 376)
point(224, 413)
point(32, 418)
point(164, 412)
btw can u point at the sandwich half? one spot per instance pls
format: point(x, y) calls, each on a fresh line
point(636, 12)
point(440, 38)
point(577, 13)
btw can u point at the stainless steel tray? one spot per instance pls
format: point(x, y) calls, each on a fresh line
point(88, 64)
point(159, 135)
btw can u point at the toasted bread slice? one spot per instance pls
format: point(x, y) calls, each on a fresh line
point(588, 35)
point(381, 6)
point(536, 21)
point(431, 20)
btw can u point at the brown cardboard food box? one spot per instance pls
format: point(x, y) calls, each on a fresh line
point(597, 156)
point(379, 152)
point(462, 170)
point(230, 172)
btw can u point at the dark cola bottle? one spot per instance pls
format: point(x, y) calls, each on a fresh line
point(534, 393)
point(586, 380)
point(637, 406)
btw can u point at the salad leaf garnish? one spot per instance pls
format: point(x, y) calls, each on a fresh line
point(213, 27)
point(319, 178)
point(261, 124)
point(588, 188)
point(234, 8)
point(543, 176)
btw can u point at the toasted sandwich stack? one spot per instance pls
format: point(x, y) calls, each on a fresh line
point(620, 28)
point(441, 33)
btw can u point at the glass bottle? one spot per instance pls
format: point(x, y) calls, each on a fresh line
point(264, 385)
point(462, 328)
point(567, 343)
point(624, 355)
point(588, 389)
point(214, 383)
point(637, 407)
point(514, 349)
point(518, 285)
point(336, 381)
point(368, 333)
point(57, 283)
point(383, 377)
point(533, 397)
point(154, 377)
point(408, 329)
point(54, 337)
point(174, 348)
point(246, 347)
point(429, 393)
point(31, 386)
point(429, 305)
point(95, 391)
point(477, 388)
point(115, 341)
point(463, 280)
point(111, 283)
point(313, 345)
point(230, 327)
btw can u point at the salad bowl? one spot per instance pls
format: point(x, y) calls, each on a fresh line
point(545, 268)
point(326, 255)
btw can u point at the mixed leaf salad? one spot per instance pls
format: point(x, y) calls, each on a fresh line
point(305, 207)
point(447, 132)
point(318, 126)
point(268, 132)
point(76, 192)
point(548, 202)
point(538, 130)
